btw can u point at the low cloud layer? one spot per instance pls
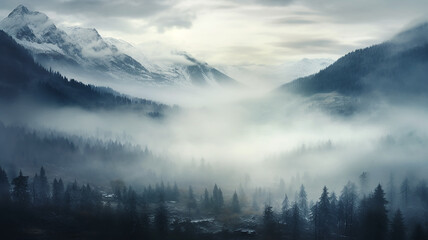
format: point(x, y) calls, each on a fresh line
point(267, 140)
point(316, 45)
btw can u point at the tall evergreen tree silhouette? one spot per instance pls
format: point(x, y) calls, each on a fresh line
point(404, 192)
point(375, 216)
point(270, 226)
point(4, 187)
point(295, 223)
point(303, 201)
point(285, 209)
point(207, 202)
point(161, 221)
point(58, 192)
point(364, 182)
point(347, 211)
point(236, 208)
point(324, 231)
point(191, 201)
point(40, 188)
point(21, 193)
point(398, 231)
point(44, 186)
point(217, 199)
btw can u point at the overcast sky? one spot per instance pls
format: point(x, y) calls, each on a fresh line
point(239, 32)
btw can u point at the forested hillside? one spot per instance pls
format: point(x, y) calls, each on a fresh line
point(40, 207)
point(393, 70)
point(22, 78)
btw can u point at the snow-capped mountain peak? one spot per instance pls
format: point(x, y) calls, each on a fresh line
point(19, 10)
point(27, 25)
point(83, 53)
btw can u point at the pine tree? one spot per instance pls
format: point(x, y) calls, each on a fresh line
point(324, 216)
point(364, 180)
point(161, 221)
point(235, 203)
point(374, 216)
point(397, 227)
point(315, 219)
point(145, 221)
point(217, 199)
point(243, 201)
point(380, 202)
point(404, 191)
point(131, 218)
point(21, 193)
point(207, 202)
point(4, 187)
point(347, 210)
point(191, 201)
point(40, 188)
point(58, 192)
point(72, 196)
point(220, 198)
point(130, 202)
point(333, 213)
point(295, 223)
point(284, 208)
point(44, 186)
point(270, 230)
point(35, 189)
point(303, 201)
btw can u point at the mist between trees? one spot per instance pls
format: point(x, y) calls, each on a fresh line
point(40, 207)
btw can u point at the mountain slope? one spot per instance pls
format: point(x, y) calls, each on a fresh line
point(23, 79)
point(391, 70)
point(83, 52)
point(202, 74)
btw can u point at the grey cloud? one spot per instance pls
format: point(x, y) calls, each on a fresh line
point(294, 21)
point(115, 24)
point(183, 20)
point(104, 8)
point(265, 2)
point(118, 8)
point(367, 11)
point(315, 45)
point(160, 13)
point(273, 2)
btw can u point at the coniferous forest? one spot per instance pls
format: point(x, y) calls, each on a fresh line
point(39, 207)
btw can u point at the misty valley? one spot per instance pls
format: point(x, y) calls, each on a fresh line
point(100, 140)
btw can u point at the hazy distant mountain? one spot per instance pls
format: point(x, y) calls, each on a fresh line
point(83, 51)
point(394, 70)
point(23, 79)
point(269, 76)
point(303, 67)
point(188, 71)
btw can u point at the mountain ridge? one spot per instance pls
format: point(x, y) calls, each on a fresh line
point(84, 50)
point(21, 78)
point(391, 70)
